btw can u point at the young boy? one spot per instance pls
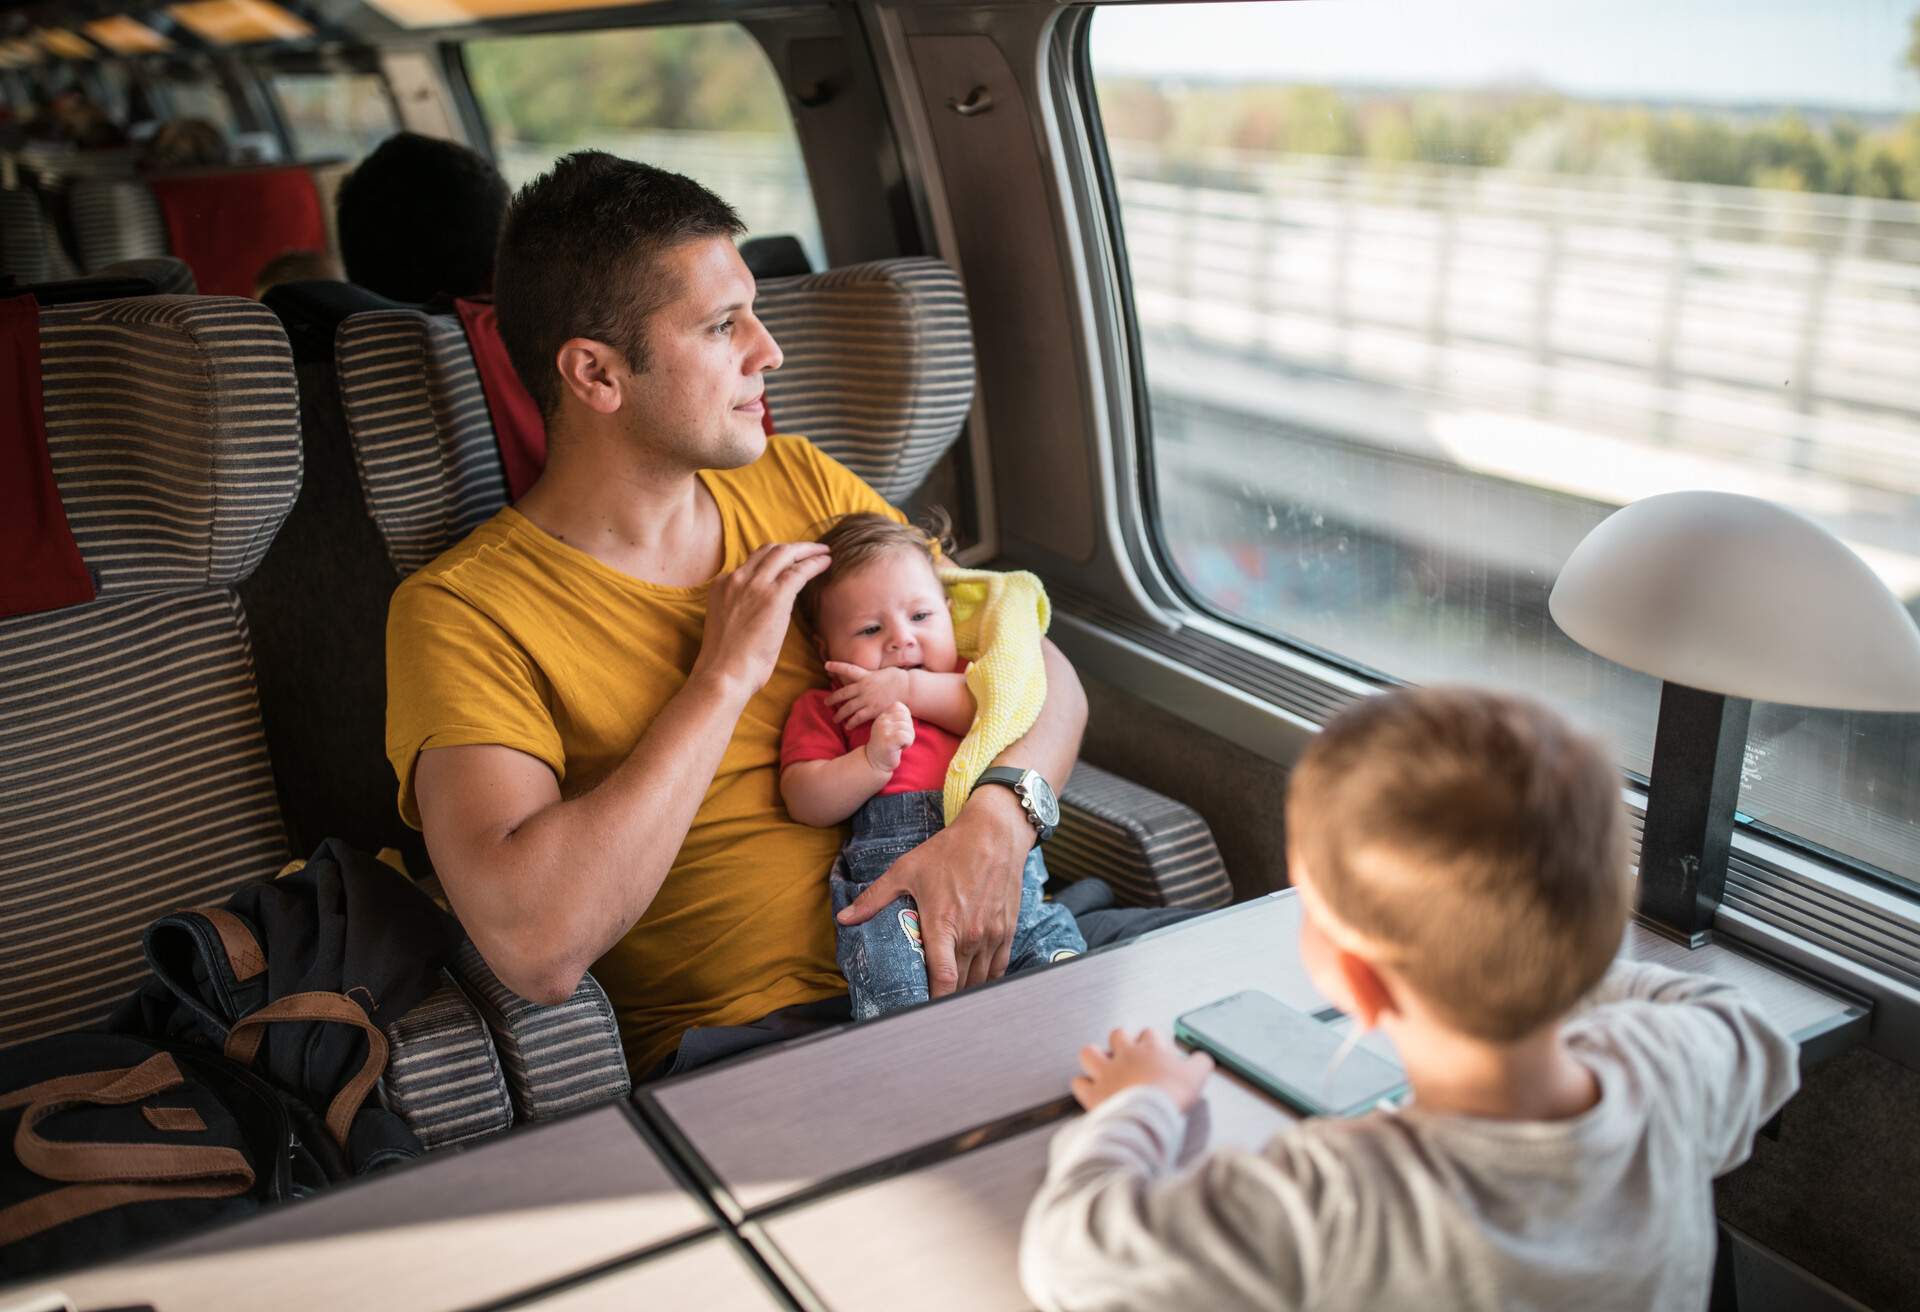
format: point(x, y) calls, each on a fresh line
point(1461, 861)
point(876, 747)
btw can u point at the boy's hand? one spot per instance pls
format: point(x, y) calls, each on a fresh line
point(863, 693)
point(892, 735)
point(1146, 1058)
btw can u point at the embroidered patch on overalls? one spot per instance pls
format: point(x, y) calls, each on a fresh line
point(1061, 954)
point(910, 926)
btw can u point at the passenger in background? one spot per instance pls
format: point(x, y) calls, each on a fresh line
point(294, 266)
point(185, 143)
point(1461, 861)
point(419, 220)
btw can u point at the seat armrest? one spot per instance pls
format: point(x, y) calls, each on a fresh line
point(443, 1076)
point(1152, 850)
point(557, 1059)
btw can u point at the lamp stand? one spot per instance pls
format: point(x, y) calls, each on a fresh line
point(1698, 749)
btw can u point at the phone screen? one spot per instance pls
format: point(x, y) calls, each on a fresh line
point(1288, 1053)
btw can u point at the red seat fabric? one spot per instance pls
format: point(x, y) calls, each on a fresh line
point(228, 225)
point(518, 429)
point(40, 565)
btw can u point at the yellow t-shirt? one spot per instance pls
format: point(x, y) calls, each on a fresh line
point(513, 637)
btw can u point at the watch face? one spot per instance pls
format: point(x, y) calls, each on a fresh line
point(1046, 807)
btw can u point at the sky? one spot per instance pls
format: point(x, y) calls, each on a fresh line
point(1843, 53)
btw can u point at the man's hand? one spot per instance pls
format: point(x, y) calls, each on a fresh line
point(864, 694)
point(1146, 1058)
point(892, 735)
point(966, 882)
point(748, 612)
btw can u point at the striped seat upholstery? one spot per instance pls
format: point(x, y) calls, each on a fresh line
point(134, 777)
point(133, 773)
point(1153, 850)
point(557, 1059)
point(421, 433)
point(114, 219)
point(27, 240)
point(879, 365)
point(443, 1075)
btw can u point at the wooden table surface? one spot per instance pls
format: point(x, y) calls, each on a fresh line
point(464, 1226)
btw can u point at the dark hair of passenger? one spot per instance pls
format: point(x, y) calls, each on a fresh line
point(579, 257)
point(419, 218)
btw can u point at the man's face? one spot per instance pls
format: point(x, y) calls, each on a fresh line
point(700, 397)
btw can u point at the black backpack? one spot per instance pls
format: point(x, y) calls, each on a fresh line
point(108, 1141)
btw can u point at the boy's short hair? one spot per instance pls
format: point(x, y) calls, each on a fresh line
point(857, 540)
point(1479, 838)
point(579, 257)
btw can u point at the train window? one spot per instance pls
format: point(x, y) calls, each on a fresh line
point(1417, 314)
point(698, 99)
point(335, 115)
point(200, 98)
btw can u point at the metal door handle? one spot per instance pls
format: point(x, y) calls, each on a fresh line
point(978, 101)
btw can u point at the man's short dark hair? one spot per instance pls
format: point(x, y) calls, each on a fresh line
point(419, 218)
point(579, 257)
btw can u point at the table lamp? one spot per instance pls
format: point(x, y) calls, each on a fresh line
point(1727, 600)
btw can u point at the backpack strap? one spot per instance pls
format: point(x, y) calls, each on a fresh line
point(243, 1044)
point(103, 1175)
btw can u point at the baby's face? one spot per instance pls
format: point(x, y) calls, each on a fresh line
point(890, 612)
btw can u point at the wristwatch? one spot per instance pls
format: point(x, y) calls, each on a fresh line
point(1035, 794)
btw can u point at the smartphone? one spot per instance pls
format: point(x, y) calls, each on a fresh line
point(1289, 1054)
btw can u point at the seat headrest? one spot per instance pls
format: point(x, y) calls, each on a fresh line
point(114, 219)
point(24, 230)
point(422, 437)
point(879, 365)
point(174, 434)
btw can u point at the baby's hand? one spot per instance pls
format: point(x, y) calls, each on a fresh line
point(1145, 1058)
point(863, 693)
point(892, 735)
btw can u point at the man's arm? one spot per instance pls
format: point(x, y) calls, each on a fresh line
point(966, 878)
point(545, 886)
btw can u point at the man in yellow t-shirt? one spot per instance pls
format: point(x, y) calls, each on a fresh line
point(585, 696)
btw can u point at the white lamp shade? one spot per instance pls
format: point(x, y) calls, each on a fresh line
point(1736, 595)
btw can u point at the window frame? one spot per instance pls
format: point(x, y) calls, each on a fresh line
point(1820, 909)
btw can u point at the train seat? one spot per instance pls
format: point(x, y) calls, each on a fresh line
point(30, 248)
point(226, 223)
point(134, 775)
point(879, 372)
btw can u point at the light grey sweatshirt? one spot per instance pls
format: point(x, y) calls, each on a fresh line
point(1402, 1209)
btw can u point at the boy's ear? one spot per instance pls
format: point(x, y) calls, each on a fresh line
point(1371, 995)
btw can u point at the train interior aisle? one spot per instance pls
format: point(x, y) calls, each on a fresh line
point(1297, 346)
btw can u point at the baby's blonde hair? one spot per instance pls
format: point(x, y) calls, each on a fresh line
point(857, 540)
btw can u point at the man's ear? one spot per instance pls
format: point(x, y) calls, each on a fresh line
point(589, 370)
point(1371, 995)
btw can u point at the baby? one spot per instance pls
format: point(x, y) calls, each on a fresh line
point(876, 747)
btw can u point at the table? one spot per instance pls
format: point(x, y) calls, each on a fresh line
point(873, 1097)
point(711, 1272)
point(951, 1234)
point(463, 1227)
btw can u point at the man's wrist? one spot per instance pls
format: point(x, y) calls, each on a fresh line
point(1000, 808)
point(718, 686)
